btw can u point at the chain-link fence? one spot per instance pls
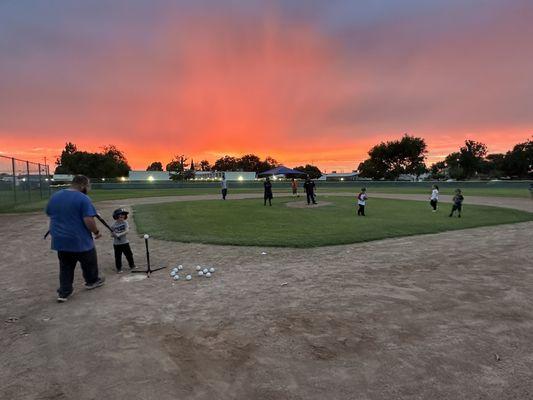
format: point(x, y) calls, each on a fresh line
point(23, 181)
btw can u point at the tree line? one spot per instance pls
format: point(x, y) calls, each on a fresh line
point(388, 160)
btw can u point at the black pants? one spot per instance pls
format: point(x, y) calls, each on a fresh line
point(268, 196)
point(224, 193)
point(310, 197)
point(433, 204)
point(458, 208)
point(126, 250)
point(67, 264)
point(361, 210)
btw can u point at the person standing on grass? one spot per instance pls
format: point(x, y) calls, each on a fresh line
point(457, 203)
point(121, 244)
point(309, 187)
point(294, 187)
point(268, 191)
point(72, 225)
point(361, 202)
point(434, 198)
point(224, 185)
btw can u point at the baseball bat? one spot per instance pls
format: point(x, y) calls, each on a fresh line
point(103, 222)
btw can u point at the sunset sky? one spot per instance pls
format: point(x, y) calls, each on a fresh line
point(304, 81)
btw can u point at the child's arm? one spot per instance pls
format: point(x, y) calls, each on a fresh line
point(125, 231)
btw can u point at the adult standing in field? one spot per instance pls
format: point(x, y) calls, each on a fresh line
point(224, 186)
point(434, 198)
point(309, 187)
point(72, 225)
point(294, 187)
point(361, 202)
point(268, 191)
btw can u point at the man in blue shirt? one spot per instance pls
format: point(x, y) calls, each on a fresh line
point(72, 224)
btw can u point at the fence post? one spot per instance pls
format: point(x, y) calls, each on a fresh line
point(48, 176)
point(14, 180)
point(28, 179)
point(40, 181)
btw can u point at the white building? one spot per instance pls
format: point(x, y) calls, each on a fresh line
point(149, 176)
point(239, 176)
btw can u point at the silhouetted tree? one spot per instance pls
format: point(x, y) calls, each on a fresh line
point(391, 159)
point(311, 170)
point(155, 166)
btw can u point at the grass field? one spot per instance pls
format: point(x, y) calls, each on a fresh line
point(248, 222)
point(6, 205)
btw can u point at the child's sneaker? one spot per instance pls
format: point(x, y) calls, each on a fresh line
point(119, 271)
point(61, 299)
point(133, 267)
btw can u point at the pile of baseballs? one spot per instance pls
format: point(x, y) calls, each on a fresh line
point(201, 272)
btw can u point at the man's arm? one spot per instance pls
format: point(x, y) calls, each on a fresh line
point(90, 223)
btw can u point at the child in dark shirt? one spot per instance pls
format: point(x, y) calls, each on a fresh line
point(457, 203)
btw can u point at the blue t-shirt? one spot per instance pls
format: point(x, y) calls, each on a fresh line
point(66, 210)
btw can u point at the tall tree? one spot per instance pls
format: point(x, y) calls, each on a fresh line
point(311, 170)
point(178, 164)
point(205, 166)
point(518, 162)
point(226, 163)
point(250, 162)
point(391, 159)
point(155, 166)
point(471, 157)
point(110, 163)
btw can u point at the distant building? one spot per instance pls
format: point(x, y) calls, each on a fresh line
point(208, 175)
point(139, 176)
point(239, 176)
point(342, 176)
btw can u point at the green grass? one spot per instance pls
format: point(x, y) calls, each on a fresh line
point(6, 205)
point(248, 222)
point(487, 192)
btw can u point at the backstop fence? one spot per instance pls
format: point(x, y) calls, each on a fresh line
point(23, 181)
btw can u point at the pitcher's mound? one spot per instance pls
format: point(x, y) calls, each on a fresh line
point(303, 204)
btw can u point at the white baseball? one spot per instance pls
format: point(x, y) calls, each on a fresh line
point(188, 277)
point(200, 273)
point(206, 270)
point(198, 268)
point(172, 273)
point(176, 277)
point(146, 236)
point(208, 275)
point(180, 267)
point(211, 270)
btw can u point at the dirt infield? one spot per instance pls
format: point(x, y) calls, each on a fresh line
point(442, 316)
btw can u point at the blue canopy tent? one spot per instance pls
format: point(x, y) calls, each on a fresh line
point(281, 170)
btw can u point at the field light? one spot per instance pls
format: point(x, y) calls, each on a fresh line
point(240, 178)
point(123, 179)
point(103, 179)
point(150, 178)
